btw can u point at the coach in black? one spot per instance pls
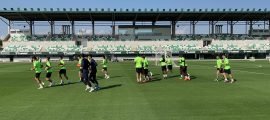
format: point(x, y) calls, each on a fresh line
point(85, 72)
point(93, 71)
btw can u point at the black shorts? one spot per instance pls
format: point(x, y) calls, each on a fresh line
point(37, 75)
point(139, 70)
point(145, 71)
point(228, 71)
point(163, 68)
point(48, 75)
point(221, 70)
point(185, 69)
point(94, 71)
point(104, 68)
point(81, 71)
point(170, 67)
point(181, 69)
point(63, 71)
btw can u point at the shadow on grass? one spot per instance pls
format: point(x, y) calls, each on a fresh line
point(156, 74)
point(59, 85)
point(155, 79)
point(192, 77)
point(110, 86)
point(173, 76)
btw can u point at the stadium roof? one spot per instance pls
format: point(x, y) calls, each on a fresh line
point(64, 14)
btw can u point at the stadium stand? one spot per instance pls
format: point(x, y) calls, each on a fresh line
point(41, 46)
point(22, 48)
point(154, 36)
point(145, 46)
point(238, 45)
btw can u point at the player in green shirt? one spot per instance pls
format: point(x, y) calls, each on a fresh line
point(139, 68)
point(220, 70)
point(105, 67)
point(182, 63)
point(146, 72)
point(48, 68)
point(163, 65)
point(63, 70)
point(227, 69)
point(169, 63)
point(37, 68)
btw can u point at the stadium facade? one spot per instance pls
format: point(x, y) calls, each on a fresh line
point(131, 38)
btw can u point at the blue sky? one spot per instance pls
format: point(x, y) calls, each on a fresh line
point(131, 4)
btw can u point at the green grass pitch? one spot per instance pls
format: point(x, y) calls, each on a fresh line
point(121, 98)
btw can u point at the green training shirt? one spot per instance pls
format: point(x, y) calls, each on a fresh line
point(145, 64)
point(138, 62)
point(105, 63)
point(226, 64)
point(182, 61)
point(162, 63)
point(62, 63)
point(219, 63)
point(169, 61)
point(49, 67)
point(37, 66)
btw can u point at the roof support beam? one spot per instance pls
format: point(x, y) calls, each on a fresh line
point(52, 27)
point(240, 19)
point(179, 17)
point(93, 28)
point(193, 24)
point(153, 23)
point(72, 28)
point(135, 18)
point(269, 25)
point(93, 24)
point(45, 17)
point(68, 18)
point(202, 17)
point(31, 27)
point(4, 21)
point(212, 26)
point(24, 18)
point(9, 26)
point(250, 27)
point(173, 24)
point(222, 17)
point(156, 19)
point(90, 16)
point(231, 23)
